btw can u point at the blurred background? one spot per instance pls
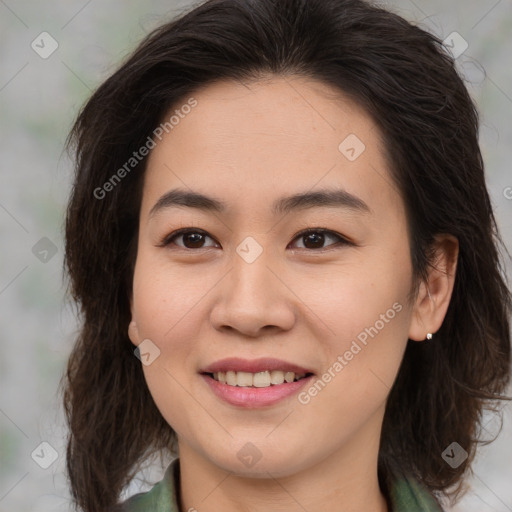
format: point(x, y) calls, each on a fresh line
point(52, 56)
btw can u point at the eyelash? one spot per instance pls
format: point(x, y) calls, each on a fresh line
point(167, 240)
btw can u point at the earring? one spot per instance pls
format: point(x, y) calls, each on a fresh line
point(429, 335)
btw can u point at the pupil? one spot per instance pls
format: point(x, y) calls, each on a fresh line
point(316, 238)
point(194, 238)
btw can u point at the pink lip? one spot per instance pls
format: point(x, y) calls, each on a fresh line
point(250, 397)
point(237, 364)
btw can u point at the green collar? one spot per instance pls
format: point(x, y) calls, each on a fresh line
point(406, 495)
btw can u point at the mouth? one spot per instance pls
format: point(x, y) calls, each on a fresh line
point(255, 383)
point(262, 379)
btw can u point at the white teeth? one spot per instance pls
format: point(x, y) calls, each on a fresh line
point(261, 380)
point(244, 379)
point(276, 377)
point(258, 380)
point(230, 378)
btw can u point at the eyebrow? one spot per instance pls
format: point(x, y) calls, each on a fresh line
point(330, 198)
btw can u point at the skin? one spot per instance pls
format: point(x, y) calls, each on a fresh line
point(247, 145)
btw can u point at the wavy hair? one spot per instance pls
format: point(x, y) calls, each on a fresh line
point(404, 79)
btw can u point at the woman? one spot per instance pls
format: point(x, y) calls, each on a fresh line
point(287, 263)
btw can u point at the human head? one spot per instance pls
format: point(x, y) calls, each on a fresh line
point(401, 77)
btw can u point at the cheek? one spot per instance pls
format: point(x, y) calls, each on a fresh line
point(168, 390)
point(366, 310)
point(165, 300)
point(167, 313)
point(349, 299)
point(361, 362)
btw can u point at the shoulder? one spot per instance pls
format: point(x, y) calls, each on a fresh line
point(408, 495)
point(160, 498)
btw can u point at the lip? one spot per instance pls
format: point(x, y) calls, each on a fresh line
point(236, 364)
point(249, 397)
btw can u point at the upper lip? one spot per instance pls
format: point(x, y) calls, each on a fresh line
point(237, 364)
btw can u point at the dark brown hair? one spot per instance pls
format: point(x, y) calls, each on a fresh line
point(409, 85)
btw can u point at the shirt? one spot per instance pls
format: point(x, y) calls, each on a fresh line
point(406, 495)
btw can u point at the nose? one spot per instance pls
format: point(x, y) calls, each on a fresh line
point(253, 300)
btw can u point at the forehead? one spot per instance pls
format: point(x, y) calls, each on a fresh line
point(255, 141)
point(277, 115)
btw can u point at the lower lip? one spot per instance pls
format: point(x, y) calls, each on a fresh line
point(251, 397)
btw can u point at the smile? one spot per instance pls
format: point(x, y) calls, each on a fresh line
point(253, 390)
point(262, 379)
point(253, 383)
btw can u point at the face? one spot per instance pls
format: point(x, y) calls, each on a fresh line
point(246, 282)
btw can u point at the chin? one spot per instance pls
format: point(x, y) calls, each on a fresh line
point(249, 462)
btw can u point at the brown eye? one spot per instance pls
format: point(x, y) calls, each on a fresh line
point(312, 239)
point(315, 238)
point(191, 239)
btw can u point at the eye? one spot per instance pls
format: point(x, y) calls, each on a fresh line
point(192, 238)
point(312, 238)
point(316, 237)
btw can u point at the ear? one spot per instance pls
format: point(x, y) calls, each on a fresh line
point(434, 295)
point(133, 331)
